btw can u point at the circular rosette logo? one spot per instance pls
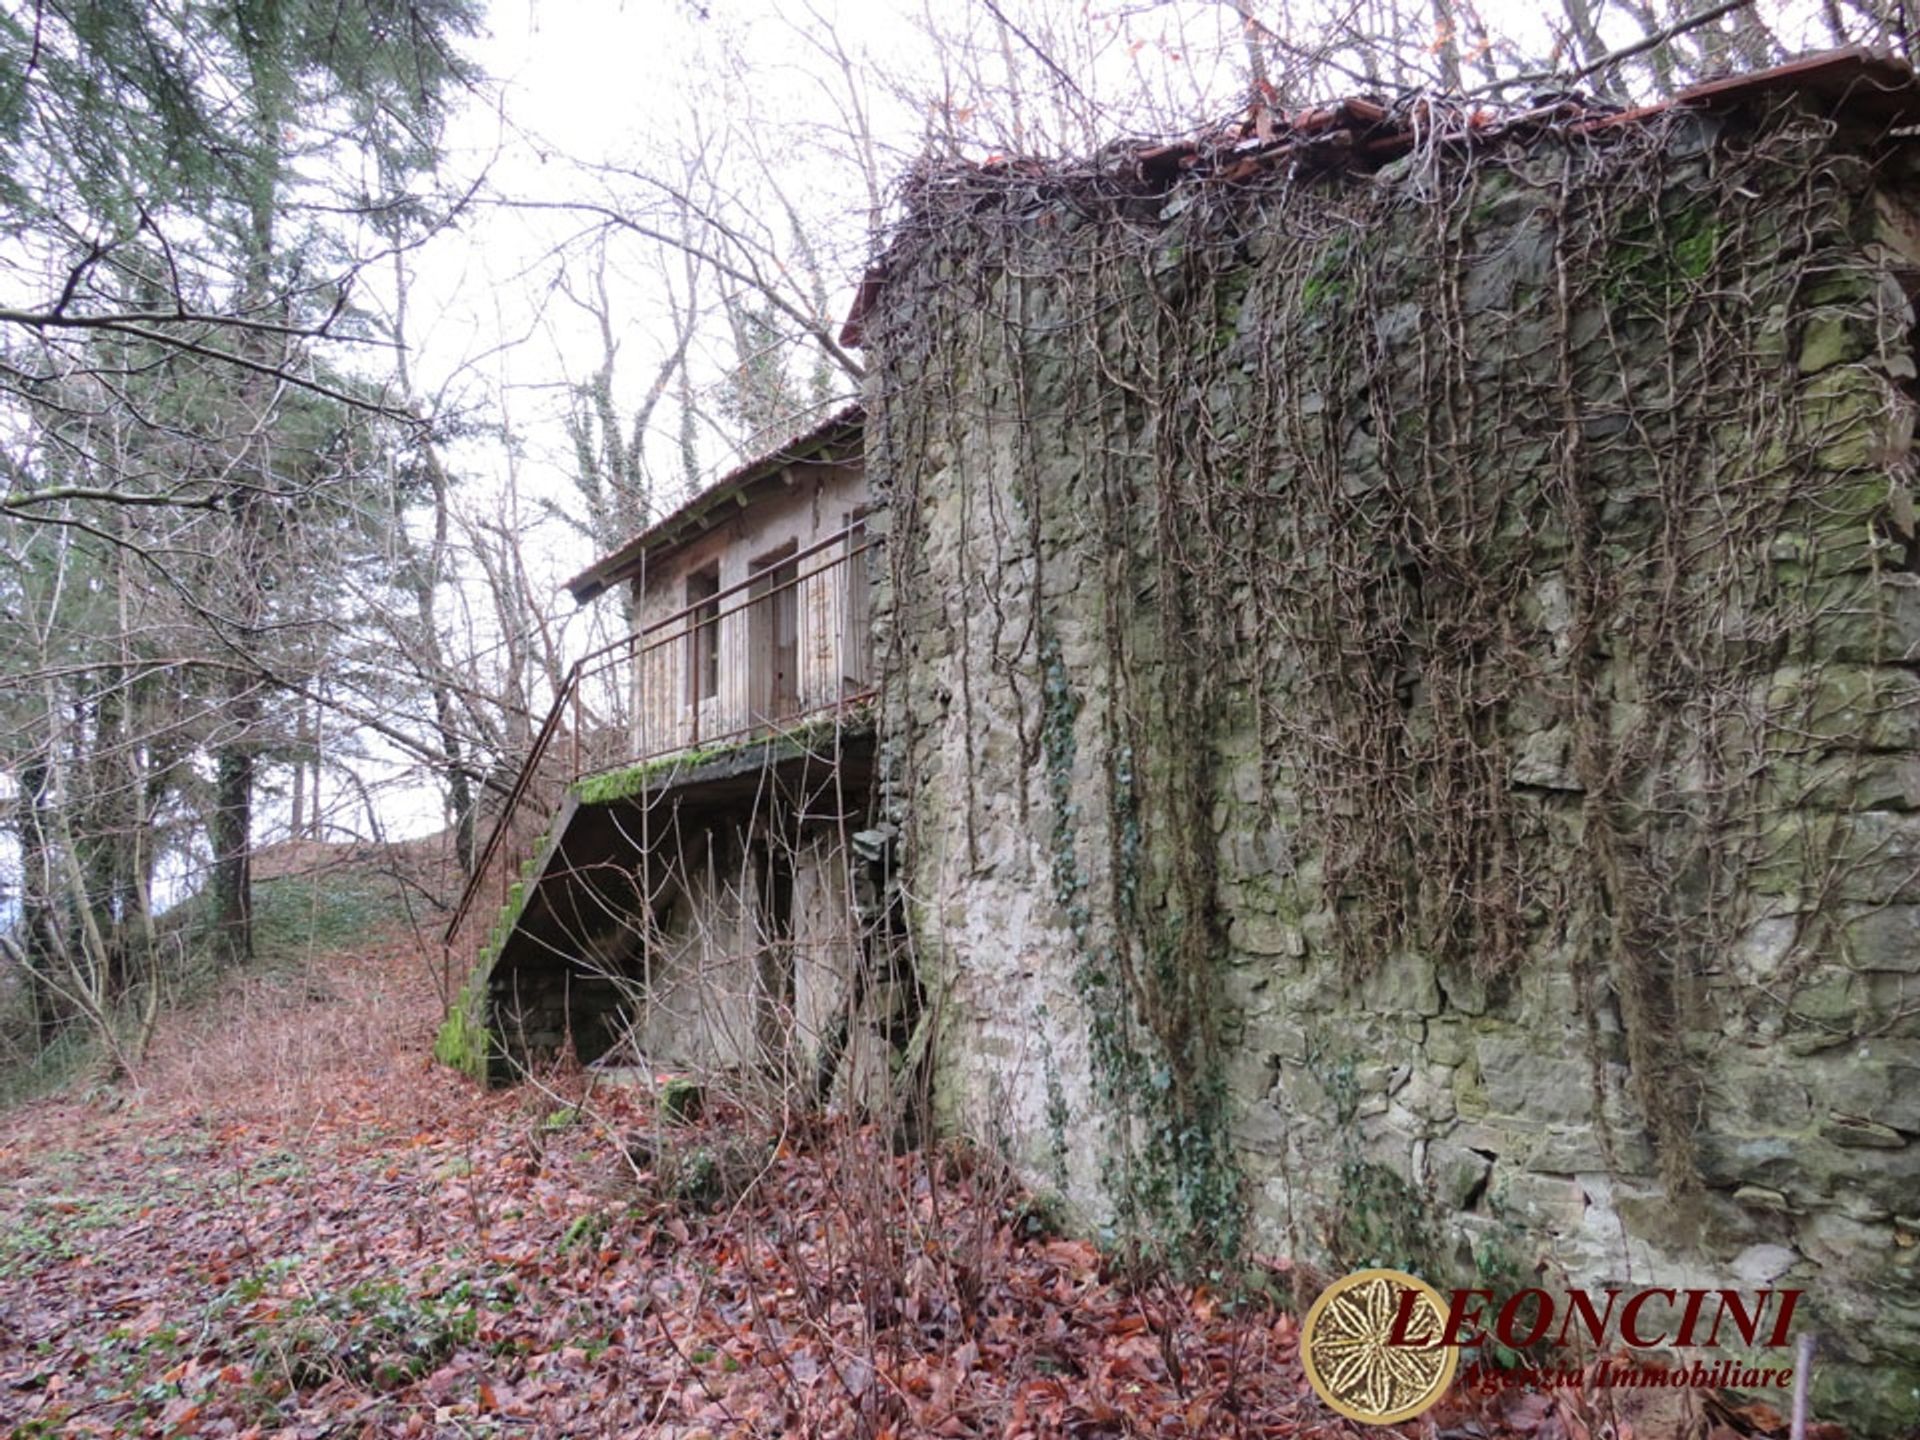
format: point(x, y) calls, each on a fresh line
point(1365, 1360)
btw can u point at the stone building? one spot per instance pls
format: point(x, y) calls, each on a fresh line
point(1396, 707)
point(1399, 688)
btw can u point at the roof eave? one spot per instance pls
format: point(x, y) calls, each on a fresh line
point(696, 514)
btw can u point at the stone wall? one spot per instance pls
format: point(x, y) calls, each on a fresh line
point(1401, 704)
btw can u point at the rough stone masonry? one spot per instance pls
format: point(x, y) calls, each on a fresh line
point(1401, 702)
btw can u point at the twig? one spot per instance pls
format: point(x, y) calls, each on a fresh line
point(1625, 52)
point(1040, 52)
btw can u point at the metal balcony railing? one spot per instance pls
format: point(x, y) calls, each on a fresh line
point(789, 643)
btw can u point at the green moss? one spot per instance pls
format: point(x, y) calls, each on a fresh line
point(1320, 290)
point(1495, 198)
point(464, 1043)
point(1693, 251)
point(630, 780)
point(612, 786)
point(1883, 1395)
point(1843, 418)
point(1651, 261)
point(1325, 285)
point(1229, 295)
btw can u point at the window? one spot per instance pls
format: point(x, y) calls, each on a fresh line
point(703, 635)
point(856, 572)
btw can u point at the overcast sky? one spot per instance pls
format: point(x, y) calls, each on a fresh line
point(582, 98)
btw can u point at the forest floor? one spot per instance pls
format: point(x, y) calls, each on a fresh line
point(296, 1225)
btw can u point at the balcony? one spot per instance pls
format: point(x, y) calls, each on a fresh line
point(715, 688)
point(788, 643)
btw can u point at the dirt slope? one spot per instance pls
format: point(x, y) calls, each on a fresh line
point(298, 1227)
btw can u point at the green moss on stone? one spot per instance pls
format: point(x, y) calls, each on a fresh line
point(464, 1043)
point(1651, 261)
point(1832, 338)
point(1326, 283)
point(1886, 1395)
point(1844, 417)
point(1693, 250)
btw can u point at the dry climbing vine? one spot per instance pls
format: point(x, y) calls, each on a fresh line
point(1508, 498)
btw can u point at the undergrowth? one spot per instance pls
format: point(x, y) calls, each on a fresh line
point(299, 918)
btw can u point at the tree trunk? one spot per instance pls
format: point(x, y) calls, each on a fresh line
point(231, 830)
point(302, 740)
point(40, 932)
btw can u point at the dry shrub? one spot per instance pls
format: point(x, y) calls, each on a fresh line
point(288, 1049)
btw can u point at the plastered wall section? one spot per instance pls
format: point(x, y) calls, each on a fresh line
point(711, 993)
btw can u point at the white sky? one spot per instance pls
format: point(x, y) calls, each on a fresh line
point(578, 87)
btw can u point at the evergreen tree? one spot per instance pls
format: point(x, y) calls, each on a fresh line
point(197, 476)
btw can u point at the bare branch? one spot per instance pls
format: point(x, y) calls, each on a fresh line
point(1626, 52)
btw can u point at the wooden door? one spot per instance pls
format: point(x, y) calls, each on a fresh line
point(774, 637)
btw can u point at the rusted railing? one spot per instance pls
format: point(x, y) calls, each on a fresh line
point(790, 642)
